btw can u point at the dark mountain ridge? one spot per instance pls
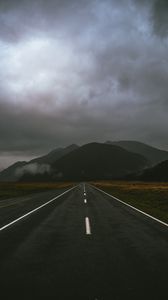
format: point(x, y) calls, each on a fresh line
point(94, 161)
point(109, 160)
point(97, 161)
point(157, 173)
point(8, 174)
point(153, 154)
point(54, 155)
point(13, 172)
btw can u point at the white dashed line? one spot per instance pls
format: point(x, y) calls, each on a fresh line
point(87, 224)
point(85, 201)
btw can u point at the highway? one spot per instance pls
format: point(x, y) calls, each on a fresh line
point(80, 244)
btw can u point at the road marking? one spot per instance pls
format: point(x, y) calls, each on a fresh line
point(84, 188)
point(140, 211)
point(87, 224)
point(84, 194)
point(85, 201)
point(34, 210)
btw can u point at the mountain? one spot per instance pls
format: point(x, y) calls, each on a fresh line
point(110, 160)
point(38, 165)
point(54, 155)
point(153, 154)
point(9, 173)
point(157, 173)
point(93, 161)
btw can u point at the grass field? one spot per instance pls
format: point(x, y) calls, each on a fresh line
point(10, 190)
point(152, 198)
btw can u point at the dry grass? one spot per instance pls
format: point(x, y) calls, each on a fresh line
point(10, 190)
point(149, 197)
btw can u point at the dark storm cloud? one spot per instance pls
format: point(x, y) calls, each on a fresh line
point(20, 18)
point(81, 71)
point(160, 17)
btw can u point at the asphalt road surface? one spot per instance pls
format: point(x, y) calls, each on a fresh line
point(81, 245)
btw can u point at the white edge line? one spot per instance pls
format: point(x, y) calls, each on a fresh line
point(140, 211)
point(87, 224)
point(34, 210)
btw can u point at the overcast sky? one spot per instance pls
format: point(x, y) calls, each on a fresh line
point(75, 71)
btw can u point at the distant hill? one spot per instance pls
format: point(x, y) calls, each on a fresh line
point(153, 154)
point(9, 173)
point(37, 165)
point(157, 173)
point(93, 161)
point(54, 155)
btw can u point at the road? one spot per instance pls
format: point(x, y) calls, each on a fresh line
point(81, 245)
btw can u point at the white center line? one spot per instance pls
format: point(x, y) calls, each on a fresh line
point(87, 224)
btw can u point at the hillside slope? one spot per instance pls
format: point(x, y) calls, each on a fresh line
point(9, 174)
point(37, 165)
point(153, 154)
point(157, 173)
point(54, 155)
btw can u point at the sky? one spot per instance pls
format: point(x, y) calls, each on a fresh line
point(77, 71)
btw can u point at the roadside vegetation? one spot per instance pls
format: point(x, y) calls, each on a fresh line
point(151, 198)
point(11, 190)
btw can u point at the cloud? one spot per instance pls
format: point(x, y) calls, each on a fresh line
point(33, 169)
point(81, 71)
point(160, 17)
